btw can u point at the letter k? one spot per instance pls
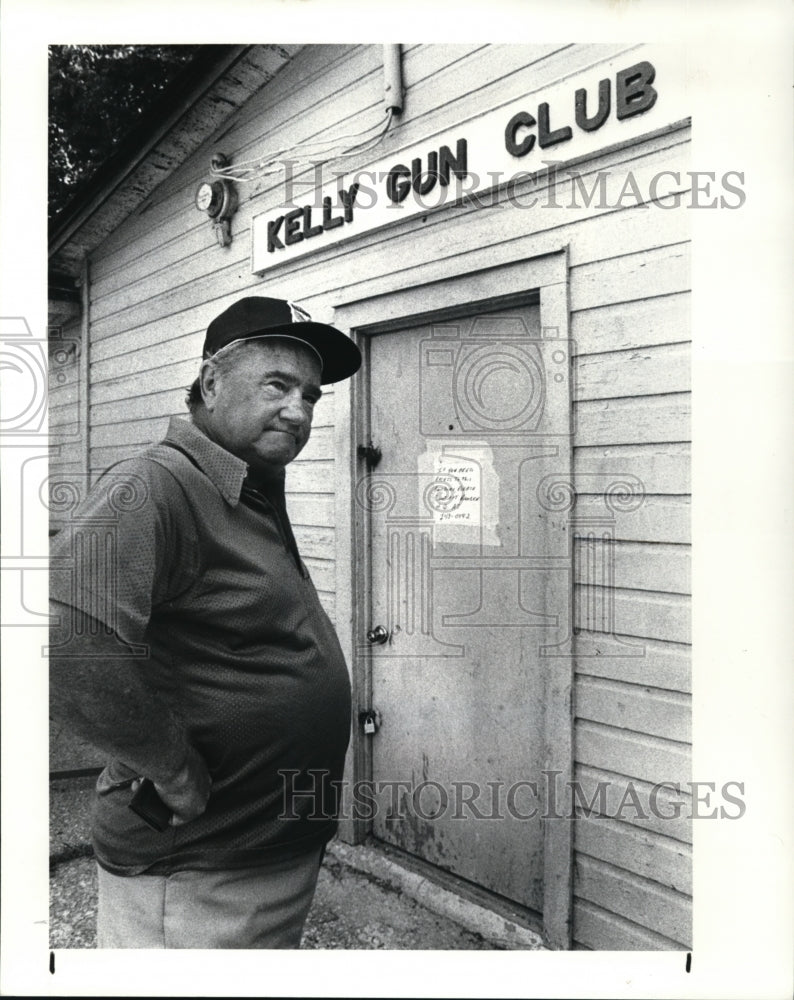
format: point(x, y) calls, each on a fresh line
point(273, 242)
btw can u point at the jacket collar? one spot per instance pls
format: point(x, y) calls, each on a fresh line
point(224, 470)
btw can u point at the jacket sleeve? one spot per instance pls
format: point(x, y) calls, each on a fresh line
point(124, 549)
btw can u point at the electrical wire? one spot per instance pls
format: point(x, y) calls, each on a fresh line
point(326, 148)
point(303, 156)
point(263, 166)
point(305, 147)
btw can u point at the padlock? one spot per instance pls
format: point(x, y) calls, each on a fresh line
point(370, 721)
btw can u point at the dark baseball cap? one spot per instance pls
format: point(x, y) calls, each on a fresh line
point(257, 317)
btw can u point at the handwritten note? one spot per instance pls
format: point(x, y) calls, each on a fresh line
point(462, 493)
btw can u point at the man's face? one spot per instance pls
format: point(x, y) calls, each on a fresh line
point(260, 408)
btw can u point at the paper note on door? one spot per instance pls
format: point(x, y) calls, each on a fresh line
point(460, 490)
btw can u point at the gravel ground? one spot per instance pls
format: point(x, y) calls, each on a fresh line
point(351, 910)
point(73, 904)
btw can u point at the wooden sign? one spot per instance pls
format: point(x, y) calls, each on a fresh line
point(614, 101)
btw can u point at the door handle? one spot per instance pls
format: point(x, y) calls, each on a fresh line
point(377, 636)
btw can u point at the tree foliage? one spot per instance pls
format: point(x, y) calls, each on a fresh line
point(97, 94)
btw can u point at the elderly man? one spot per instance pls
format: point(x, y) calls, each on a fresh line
point(202, 660)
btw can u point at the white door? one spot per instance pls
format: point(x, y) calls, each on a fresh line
point(470, 581)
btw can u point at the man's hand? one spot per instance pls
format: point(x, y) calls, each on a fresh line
point(186, 793)
point(108, 700)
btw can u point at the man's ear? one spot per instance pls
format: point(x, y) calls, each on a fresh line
point(208, 380)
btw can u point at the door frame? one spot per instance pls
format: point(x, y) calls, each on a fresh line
point(460, 292)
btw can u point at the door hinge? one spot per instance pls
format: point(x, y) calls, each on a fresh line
point(370, 453)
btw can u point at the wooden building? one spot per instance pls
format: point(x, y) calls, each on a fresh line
point(514, 264)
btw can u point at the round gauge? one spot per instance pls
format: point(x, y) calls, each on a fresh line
point(209, 197)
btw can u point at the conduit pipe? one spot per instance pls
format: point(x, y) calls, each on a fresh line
point(393, 78)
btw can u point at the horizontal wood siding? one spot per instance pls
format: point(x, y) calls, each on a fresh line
point(632, 703)
point(161, 277)
point(64, 414)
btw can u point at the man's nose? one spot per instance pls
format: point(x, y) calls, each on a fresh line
point(293, 409)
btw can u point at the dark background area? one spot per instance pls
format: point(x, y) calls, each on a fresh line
point(97, 95)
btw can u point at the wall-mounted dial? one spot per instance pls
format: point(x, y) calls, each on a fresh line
point(218, 198)
point(210, 197)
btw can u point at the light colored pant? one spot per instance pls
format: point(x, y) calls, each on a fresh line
point(263, 907)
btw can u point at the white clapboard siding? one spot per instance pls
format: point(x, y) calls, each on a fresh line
point(163, 403)
point(637, 755)
point(447, 235)
point(599, 929)
point(654, 856)
point(633, 565)
point(310, 510)
point(624, 325)
point(178, 337)
point(660, 519)
point(636, 613)
point(658, 271)
point(635, 707)
point(138, 359)
point(136, 384)
point(64, 380)
point(637, 371)
point(140, 432)
point(630, 708)
point(61, 413)
point(310, 477)
point(657, 663)
point(651, 806)
point(315, 542)
point(663, 469)
point(143, 357)
point(497, 233)
point(640, 900)
point(637, 420)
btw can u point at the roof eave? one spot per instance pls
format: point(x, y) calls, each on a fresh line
point(128, 176)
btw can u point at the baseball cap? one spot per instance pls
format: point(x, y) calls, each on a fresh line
point(256, 317)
